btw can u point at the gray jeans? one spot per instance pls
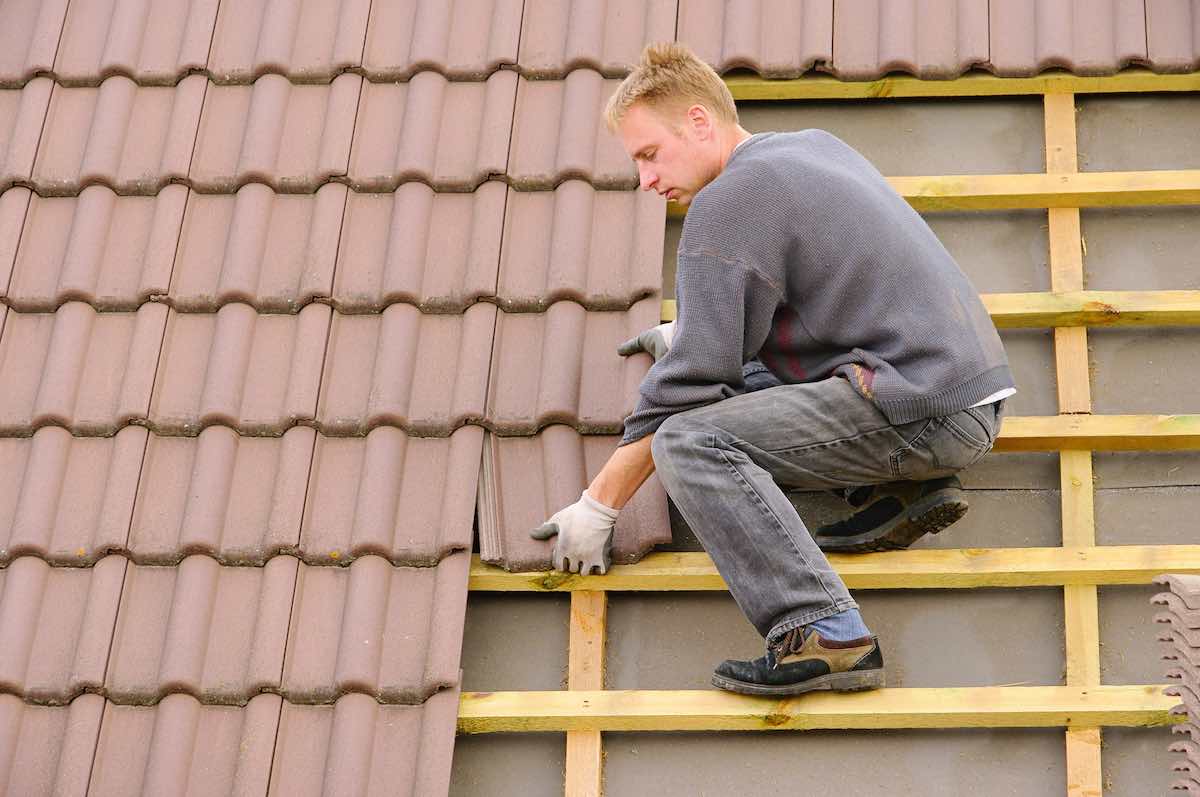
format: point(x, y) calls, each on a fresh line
point(724, 466)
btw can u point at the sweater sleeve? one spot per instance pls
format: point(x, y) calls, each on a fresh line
point(725, 309)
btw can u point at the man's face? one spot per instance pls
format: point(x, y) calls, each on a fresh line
point(674, 160)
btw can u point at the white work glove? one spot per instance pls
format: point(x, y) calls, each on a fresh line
point(585, 531)
point(654, 341)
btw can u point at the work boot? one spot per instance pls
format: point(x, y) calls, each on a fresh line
point(801, 661)
point(893, 516)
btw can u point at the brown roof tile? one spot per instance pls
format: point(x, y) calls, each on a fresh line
point(67, 499)
point(360, 747)
point(1177, 610)
point(110, 251)
point(214, 632)
point(56, 624)
point(451, 135)
point(28, 38)
point(1185, 587)
point(150, 41)
point(394, 633)
point(562, 366)
point(48, 750)
point(558, 134)
point(527, 479)
point(90, 372)
point(409, 499)
point(258, 373)
point(291, 137)
point(13, 206)
point(776, 40)
point(406, 36)
point(132, 139)
point(438, 251)
point(425, 373)
point(22, 114)
point(1173, 34)
point(935, 39)
point(236, 498)
point(1028, 36)
point(272, 251)
point(307, 41)
point(563, 244)
point(182, 747)
point(557, 36)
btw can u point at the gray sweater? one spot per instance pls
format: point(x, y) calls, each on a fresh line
point(800, 254)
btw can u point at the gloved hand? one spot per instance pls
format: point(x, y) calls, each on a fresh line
point(654, 341)
point(585, 530)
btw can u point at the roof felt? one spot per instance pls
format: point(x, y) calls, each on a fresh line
point(287, 289)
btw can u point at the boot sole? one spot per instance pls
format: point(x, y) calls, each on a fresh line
point(929, 515)
point(851, 681)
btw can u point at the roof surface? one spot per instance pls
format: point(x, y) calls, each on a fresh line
point(287, 289)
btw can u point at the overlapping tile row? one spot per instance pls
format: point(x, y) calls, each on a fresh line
point(137, 633)
point(932, 39)
point(1087, 38)
point(1180, 638)
point(181, 746)
point(241, 500)
point(776, 40)
point(558, 36)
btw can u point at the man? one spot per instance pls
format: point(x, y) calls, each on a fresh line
point(825, 340)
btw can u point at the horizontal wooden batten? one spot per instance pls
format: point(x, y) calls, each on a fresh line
point(915, 569)
point(710, 710)
point(1100, 433)
point(1016, 191)
point(823, 87)
point(1076, 309)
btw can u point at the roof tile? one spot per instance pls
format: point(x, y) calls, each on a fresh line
point(437, 251)
point(22, 114)
point(132, 139)
point(929, 38)
point(1186, 587)
point(557, 37)
point(394, 633)
point(90, 372)
point(113, 252)
point(777, 40)
point(558, 135)
point(48, 750)
point(272, 251)
point(406, 36)
point(14, 203)
point(214, 632)
point(549, 471)
point(67, 499)
point(409, 499)
point(28, 40)
point(306, 40)
point(425, 373)
point(258, 373)
point(602, 249)
point(182, 747)
point(451, 135)
point(154, 42)
point(56, 624)
point(238, 499)
point(360, 747)
point(562, 366)
point(290, 137)
point(1028, 36)
point(1172, 34)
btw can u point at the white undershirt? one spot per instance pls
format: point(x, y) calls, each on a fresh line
point(999, 394)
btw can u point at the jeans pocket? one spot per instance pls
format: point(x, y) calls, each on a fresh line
point(910, 459)
point(961, 440)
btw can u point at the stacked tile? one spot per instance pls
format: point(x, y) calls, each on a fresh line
point(247, 307)
point(580, 272)
point(1180, 637)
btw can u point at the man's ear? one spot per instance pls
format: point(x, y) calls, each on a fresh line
point(700, 121)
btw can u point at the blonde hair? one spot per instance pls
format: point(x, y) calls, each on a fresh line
point(670, 77)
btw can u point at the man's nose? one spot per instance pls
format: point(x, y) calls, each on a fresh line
point(647, 178)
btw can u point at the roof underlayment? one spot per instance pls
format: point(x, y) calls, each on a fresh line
point(287, 289)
